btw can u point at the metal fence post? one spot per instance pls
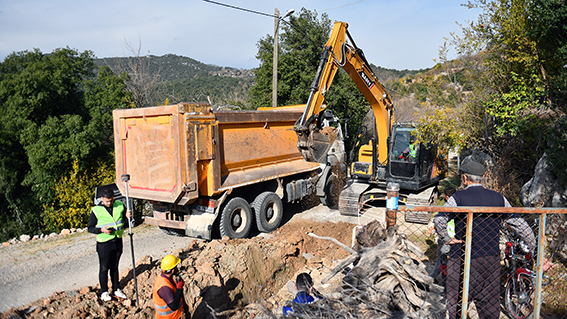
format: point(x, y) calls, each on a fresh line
point(467, 267)
point(539, 266)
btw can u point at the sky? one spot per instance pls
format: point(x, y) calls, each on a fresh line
point(395, 34)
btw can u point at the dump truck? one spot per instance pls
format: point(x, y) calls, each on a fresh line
point(204, 170)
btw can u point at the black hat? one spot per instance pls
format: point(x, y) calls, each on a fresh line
point(473, 168)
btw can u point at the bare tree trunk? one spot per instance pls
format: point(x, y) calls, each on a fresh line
point(143, 80)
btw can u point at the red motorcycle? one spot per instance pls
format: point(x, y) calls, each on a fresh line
point(519, 287)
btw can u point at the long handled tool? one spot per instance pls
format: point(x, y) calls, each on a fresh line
point(125, 179)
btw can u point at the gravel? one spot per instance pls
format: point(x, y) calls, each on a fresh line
point(34, 270)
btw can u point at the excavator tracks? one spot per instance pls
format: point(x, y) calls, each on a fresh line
point(355, 197)
point(348, 199)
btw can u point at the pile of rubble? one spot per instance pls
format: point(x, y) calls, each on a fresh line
point(388, 280)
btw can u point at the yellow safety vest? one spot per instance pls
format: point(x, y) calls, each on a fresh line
point(115, 221)
point(412, 150)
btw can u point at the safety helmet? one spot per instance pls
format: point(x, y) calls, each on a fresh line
point(169, 262)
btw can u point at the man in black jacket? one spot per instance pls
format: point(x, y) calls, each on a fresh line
point(484, 285)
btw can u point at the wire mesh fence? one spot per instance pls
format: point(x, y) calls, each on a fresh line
point(504, 262)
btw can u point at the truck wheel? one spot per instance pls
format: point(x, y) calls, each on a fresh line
point(268, 209)
point(332, 190)
point(236, 218)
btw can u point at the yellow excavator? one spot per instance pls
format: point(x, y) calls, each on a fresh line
point(392, 154)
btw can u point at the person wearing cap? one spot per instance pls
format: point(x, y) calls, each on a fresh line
point(167, 294)
point(484, 284)
point(107, 222)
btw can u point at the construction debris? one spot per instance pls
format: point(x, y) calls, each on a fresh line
point(387, 280)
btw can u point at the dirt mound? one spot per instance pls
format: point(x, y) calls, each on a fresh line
point(225, 275)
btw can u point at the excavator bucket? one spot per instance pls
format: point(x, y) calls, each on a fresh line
point(314, 144)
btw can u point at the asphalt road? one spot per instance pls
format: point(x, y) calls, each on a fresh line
point(34, 270)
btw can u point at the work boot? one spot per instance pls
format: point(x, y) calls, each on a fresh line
point(118, 293)
point(105, 296)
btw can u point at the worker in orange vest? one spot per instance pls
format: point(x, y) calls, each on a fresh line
point(168, 293)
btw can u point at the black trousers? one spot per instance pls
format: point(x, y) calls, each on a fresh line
point(484, 286)
point(109, 257)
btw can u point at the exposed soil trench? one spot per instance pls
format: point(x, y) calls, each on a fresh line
point(225, 275)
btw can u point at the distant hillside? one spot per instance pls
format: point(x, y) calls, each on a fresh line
point(178, 78)
point(171, 67)
point(389, 75)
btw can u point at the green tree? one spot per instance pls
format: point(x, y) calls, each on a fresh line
point(74, 196)
point(523, 58)
point(302, 43)
point(514, 58)
point(54, 110)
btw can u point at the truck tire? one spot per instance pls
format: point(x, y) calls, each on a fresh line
point(268, 208)
point(236, 218)
point(332, 190)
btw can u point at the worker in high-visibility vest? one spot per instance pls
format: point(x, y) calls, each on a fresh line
point(107, 222)
point(442, 249)
point(410, 152)
point(167, 294)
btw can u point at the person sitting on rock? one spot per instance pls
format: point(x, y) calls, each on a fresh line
point(167, 294)
point(306, 293)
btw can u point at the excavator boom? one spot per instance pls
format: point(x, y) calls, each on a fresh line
point(312, 143)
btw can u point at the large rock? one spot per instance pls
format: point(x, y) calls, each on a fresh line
point(544, 190)
point(25, 238)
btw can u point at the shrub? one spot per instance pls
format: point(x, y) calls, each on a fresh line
point(74, 196)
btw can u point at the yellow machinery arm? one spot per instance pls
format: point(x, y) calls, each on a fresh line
point(313, 144)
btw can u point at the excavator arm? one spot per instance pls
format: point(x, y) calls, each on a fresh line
point(312, 142)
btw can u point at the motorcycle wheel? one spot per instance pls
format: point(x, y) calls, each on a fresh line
point(519, 302)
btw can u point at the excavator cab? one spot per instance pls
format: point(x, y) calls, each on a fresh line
point(412, 164)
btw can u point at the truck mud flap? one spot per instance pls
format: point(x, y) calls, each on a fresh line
point(200, 225)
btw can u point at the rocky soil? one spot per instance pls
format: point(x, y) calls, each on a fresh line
point(229, 278)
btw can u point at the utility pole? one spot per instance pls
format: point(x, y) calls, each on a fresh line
point(275, 66)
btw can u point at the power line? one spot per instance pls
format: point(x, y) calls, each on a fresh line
point(243, 9)
point(261, 13)
point(346, 5)
point(257, 12)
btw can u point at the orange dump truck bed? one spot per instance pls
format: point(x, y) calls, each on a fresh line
point(178, 153)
